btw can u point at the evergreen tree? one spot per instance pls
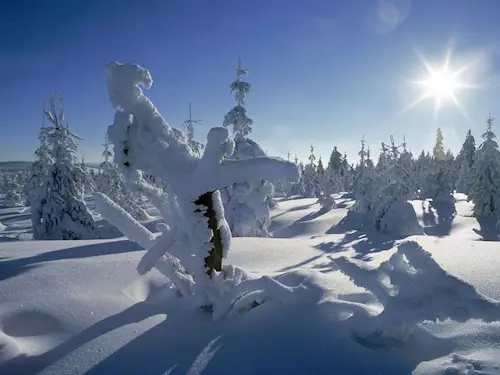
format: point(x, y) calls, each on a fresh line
point(196, 146)
point(13, 190)
point(60, 211)
point(40, 167)
point(438, 150)
point(335, 162)
point(237, 117)
point(310, 177)
point(247, 204)
point(468, 150)
point(485, 190)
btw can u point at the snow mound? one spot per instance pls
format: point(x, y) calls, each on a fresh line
point(2, 227)
point(401, 220)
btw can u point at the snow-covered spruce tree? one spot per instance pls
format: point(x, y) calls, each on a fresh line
point(364, 184)
point(298, 187)
point(437, 184)
point(190, 250)
point(40, 167)
point(246, 203)
point(110, 182)
point(13, 190)
point(485, 190)
point(311, 177)
point(189, 126)
point(59, 212)
point(464, 163)
point(390, 209)
point(329, 182)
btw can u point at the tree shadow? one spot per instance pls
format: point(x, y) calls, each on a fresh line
point(446, 213)
point(359, 235)
point(13, 267)
point(488, 230)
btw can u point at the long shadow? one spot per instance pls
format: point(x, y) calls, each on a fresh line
point(359, 235)
point(446, 213)
point(488, 230)
point(14, 267)
point(13, 218)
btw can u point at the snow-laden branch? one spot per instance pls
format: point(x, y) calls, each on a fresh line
point(117, 216)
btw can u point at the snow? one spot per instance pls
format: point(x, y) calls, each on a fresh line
point(80, 307)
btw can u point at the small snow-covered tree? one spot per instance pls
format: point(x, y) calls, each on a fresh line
point(438, 150)
point(485, 190)
point(197, 238)
point(335, 162)
point(189, 126)
point(468, 150)
point(59, 212)
point(13, 190)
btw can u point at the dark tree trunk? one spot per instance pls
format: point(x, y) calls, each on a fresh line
point(214, 259)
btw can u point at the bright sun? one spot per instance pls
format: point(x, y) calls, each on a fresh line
point(441, 84)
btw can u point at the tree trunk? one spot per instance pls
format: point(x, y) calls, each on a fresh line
point(214, 259)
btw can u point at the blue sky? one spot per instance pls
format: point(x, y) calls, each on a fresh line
point(324, 72)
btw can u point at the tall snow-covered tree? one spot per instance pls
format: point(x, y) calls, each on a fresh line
point(438, 179)
point(335, 162)
point(468, 150)
point(485, 190)
point(59, 212)
point(364, 183)
point(246, 203)
point(311, 176)
point(40, 167)
point(189, 127)
point(438, 150)
point(237, 117)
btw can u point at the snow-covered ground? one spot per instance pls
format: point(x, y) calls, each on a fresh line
point(79, 307)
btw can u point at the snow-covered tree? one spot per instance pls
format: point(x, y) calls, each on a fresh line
point(111, 182)
point(364, 184)
point(311, 177)
point(335, 162)
point(13, 190)
point(246, 203)
point(189, 126)
point(196, 239)
point(40, 167)
point(468, 150)
point(237, 117)
point(438, 150)
point(59, 212)
point(485, 190)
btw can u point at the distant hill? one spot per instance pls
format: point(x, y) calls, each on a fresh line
point(15, 165)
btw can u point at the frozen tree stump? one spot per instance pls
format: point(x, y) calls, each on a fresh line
point(214, 259)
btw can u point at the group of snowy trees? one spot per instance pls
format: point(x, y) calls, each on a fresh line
point(57, 180)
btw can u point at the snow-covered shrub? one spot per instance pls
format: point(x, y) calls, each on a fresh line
point(59, 211)
point(412, 288)
point(191, 247)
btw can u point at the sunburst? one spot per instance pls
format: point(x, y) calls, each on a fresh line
point(442, 84)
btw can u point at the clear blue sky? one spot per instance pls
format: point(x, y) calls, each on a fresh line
point(323, 71)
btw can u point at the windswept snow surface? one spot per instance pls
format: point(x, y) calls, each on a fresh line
point(79, 307)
